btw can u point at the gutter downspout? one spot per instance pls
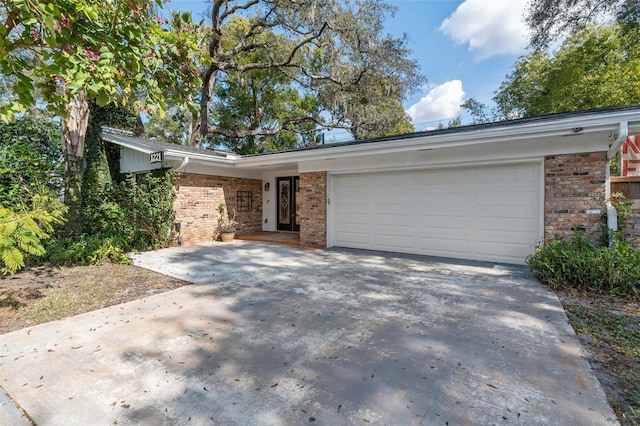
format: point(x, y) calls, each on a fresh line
point(612, 214)
point(182, 165)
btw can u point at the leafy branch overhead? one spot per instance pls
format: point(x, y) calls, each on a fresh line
point(551, 20)
point(114, 51)
point(330, 63)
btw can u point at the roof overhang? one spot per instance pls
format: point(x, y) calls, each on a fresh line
point(177, 153)
point(597, 130)
point(575, 132)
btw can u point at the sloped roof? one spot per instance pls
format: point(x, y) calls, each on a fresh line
point(505, 124)
point(125, 138)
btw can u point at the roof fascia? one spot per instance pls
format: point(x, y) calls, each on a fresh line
point(543, 129)
point(169, 153)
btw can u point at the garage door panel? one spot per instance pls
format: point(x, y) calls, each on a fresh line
point(508, 252)
point(482, 213)
point(392, 180)
point(350, 181)
point(397, 220)
point(442, 198)
point(351, 217)
point(393, 241)
point(443, 223)
point(506, 199)
point(353, 239)
point(447, 177)
point(395, 201)
point(505, 225)
point(447, 247)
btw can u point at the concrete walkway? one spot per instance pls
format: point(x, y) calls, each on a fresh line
point(272, 335)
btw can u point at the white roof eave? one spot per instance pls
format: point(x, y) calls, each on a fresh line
point(200, 158)
point(606, 123)
point(543, 130)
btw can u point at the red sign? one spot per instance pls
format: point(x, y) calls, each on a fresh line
point(631, 156)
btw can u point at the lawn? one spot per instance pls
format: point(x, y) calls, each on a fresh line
point(608, 328)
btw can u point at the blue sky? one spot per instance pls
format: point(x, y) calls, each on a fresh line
point(465, 49)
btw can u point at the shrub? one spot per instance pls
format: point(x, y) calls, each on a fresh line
point(132, 215)
point(22, 232)
point(87, 250)
point(578, 263)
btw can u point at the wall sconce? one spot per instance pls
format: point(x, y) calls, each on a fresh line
point(266, 187)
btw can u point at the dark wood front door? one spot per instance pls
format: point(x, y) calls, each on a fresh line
point(288, 191)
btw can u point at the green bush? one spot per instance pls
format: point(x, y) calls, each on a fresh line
point(22, 232)
point(87, 250)
point(578, 263)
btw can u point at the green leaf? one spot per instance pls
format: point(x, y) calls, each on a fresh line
point(102, 99)
point(49, 22)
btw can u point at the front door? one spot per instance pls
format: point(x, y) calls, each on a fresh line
point(288, 190)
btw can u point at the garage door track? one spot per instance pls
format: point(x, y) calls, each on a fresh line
point(271, 335)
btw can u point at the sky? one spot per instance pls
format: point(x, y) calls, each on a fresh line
point(464, 49)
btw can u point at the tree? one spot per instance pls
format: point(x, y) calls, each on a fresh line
point(595, 67)
point(552, 19)
point(30, 180)
point(30, 157)
point(330, 49)
point(110, 51)
point(173, 127)
point(454, 122)
point(259, 99)
point(478, 111)
point(71, 52)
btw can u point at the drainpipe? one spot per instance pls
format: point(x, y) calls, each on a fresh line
point(182, 165)
point(612, 214)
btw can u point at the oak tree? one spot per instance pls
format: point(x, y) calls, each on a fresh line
point(334, 50)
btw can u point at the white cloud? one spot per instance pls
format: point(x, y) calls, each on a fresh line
point(490, 28)
point(441, 103)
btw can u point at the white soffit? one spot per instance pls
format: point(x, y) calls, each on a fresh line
point(576, 133)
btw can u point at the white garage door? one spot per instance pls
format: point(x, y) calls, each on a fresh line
point(481, 213)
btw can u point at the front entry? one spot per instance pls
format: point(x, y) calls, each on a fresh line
point(288, 190)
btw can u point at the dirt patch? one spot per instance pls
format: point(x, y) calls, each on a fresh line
point(45, 293)
point(608, 328)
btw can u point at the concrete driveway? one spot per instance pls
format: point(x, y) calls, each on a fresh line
point(272, 335)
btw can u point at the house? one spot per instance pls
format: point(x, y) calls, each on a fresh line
point(483, 192)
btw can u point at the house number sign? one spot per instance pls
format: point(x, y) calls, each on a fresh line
point(156, 157)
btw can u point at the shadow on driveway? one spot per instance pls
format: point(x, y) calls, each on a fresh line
point(280, 336)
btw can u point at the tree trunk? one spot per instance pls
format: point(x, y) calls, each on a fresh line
point(140, 131)
point(74, 130)
point(201, 123)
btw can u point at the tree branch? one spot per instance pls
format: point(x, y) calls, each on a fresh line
point(230, 11)
point(285, 125)
point(284, 63)
point(11, 22)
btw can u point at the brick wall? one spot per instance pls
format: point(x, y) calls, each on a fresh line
point(198, 197)
point(313, 209)
point(574, 183)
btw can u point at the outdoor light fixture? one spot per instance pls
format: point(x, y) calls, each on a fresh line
point(266, 187)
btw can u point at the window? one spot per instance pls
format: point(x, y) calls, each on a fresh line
point(244, 201)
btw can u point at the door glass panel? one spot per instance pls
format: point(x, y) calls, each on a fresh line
point(284, 209)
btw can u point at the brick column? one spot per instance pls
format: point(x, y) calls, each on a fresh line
point(313, 209)
point(573, 184)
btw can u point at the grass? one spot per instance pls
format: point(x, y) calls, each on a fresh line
point(609, 330)
point(45, 294)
